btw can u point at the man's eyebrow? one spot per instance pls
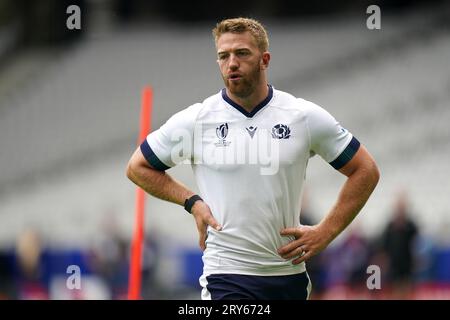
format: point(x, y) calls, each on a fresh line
point(235, 50)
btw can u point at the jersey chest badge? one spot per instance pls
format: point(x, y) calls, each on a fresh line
point(281, 131)
point(221, 133)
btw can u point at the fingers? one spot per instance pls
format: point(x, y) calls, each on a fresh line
point(213, 223)
point(202, 240)
point(204, 218)
point(303, 258)
point(202, 234)
point(289, 250)
point(305, 245)
point(291, 246)
point(293, 253)
point(291, 232)
point(202, 212)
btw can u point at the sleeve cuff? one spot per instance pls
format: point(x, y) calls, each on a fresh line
point(346, 155)
point(151, 157)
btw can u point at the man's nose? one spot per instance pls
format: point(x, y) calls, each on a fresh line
point(234, 63)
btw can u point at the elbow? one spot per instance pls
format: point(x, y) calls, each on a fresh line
point(139, 172)
point(375, 174)
point(130, 171)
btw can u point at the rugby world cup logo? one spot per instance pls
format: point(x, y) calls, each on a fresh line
point(221, 133)
point(281, 131)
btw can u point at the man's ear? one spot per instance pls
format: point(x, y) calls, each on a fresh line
point(265, 60)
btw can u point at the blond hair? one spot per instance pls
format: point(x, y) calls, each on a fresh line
point(241, 25)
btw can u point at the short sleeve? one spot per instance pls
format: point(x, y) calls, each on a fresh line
point(335, 144)
point(172, 143)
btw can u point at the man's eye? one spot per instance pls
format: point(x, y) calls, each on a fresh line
point(222, 57)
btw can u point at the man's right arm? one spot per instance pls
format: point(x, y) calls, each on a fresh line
point(157, 183)
point(161, 185)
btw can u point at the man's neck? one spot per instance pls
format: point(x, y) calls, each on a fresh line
point(249, 103)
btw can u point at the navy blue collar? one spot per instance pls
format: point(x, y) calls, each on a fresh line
point(255, 110)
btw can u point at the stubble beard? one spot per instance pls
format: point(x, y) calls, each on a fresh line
point(246, 85)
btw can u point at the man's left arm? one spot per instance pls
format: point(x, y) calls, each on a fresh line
point(362, 177)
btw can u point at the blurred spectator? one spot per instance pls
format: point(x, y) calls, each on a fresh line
point(6, 284)
point(30, 278)
point(425, 252)
point(355, 253)
point(397, 242)
point(110, 257)
point(151, 289)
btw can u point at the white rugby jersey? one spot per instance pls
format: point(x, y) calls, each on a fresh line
point(250, 169)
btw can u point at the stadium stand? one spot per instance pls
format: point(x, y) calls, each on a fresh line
point(69, 123)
